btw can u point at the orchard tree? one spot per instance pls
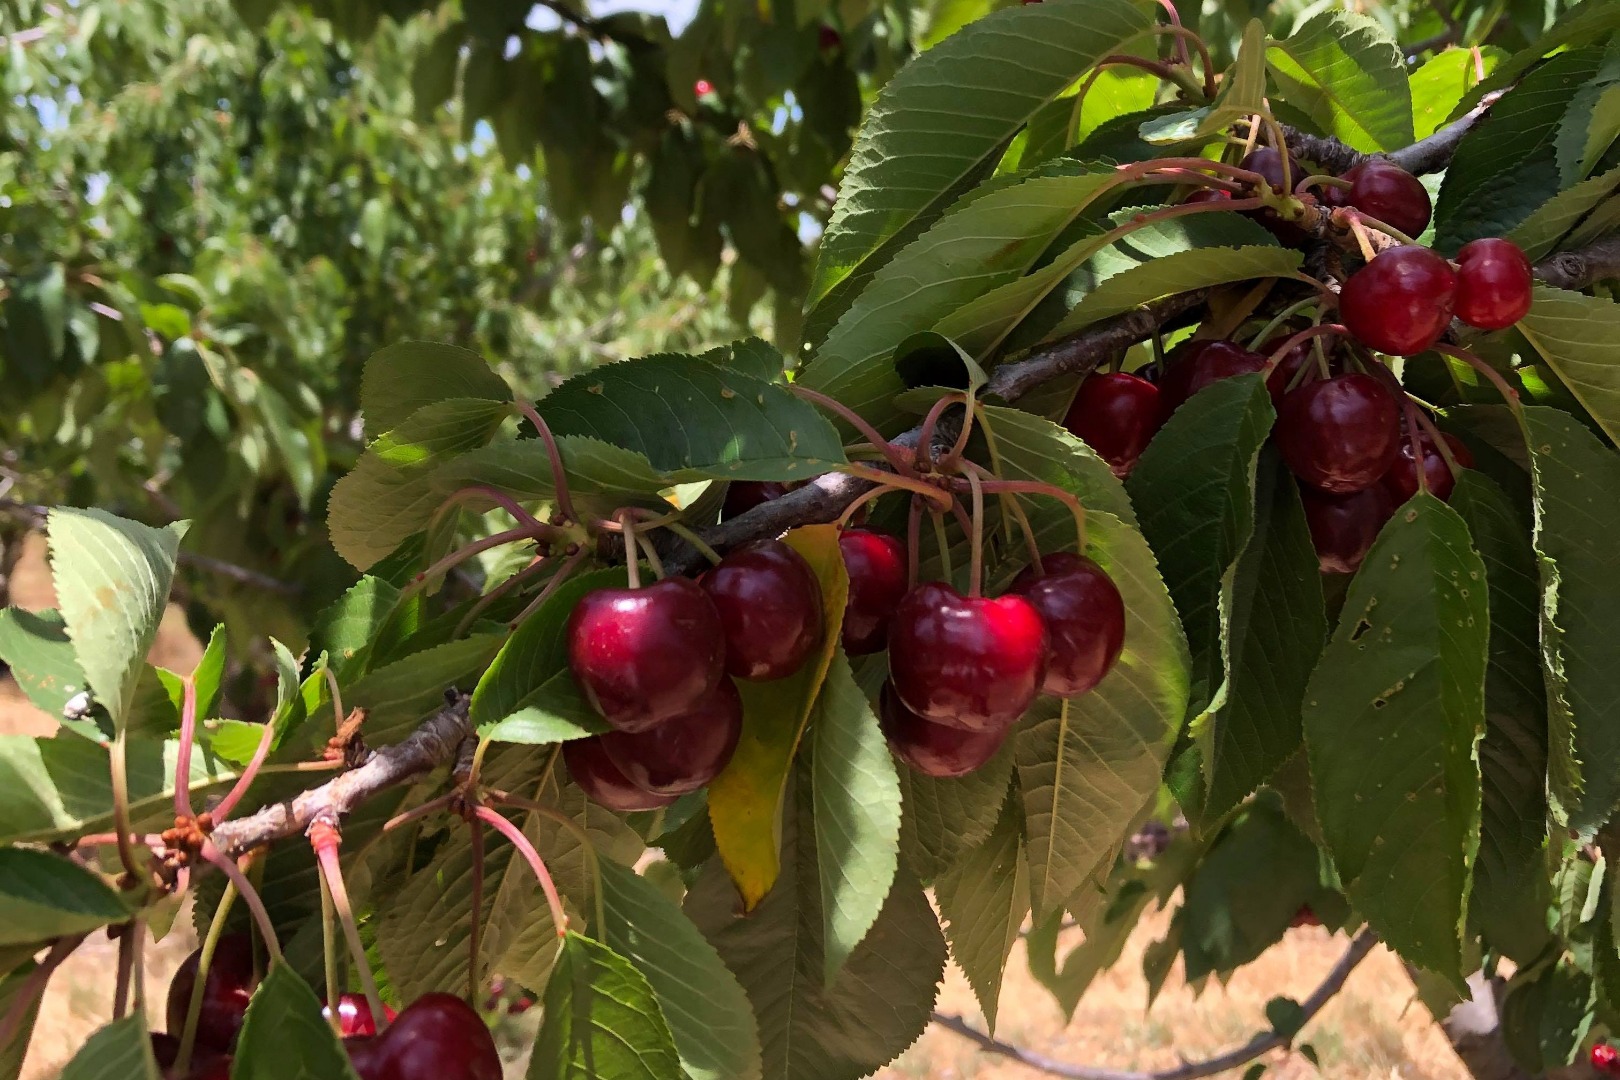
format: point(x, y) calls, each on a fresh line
point(1216, 501)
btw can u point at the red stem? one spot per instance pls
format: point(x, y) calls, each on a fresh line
point(925, 434)
point(559, 477)
point(419, 812)
point(890, 452)
point(564, 572)
point(976, 556)
point(507, 503)
point(188, 736)
point(239, 789)
point(323, 838)
point(1509, 395)
point(461, 555)
point(559, 917)
point(1320, 329)
point(250, 896)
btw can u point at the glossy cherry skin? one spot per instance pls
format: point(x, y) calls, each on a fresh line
point(1269, 164)
point(932, 749)
point(1194, 365)
point(876, 565)
point(770, 606)
point(365, 1055)
point(972, 662)
point(1385, 191)
point(438, 1037)
point(1401, 481)
point(1116, 415)
point(743, 495)
point(1084, 616)
point(1340, 434)
point(354, 1015)
point(1493, 283)
point(225, 994)
point(1606, 1059)
point(1283, 374)
point(1343, 527)
point(684, 752)
point(602, 781)
point(1401, 302)
point(644, 655)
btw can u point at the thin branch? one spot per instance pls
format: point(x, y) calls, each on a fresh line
point(1575, 270)
point(1263, 1042)
point(1424, 156)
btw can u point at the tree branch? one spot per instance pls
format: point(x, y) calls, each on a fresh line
point(1424, 156)
point(1262, 1043)
point(1577, 269)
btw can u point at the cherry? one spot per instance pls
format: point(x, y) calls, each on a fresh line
point(1339, 434)
point(644, 655)
point(1401, 302)
point(1343, 527)
point(969, 661)
point(770, 607)
point(354, 1015)
point(165, 1049)
point(437, 1037)
point(828, 38)
point(703, 87)
point(1401, 481)
point(1385, 191)
point(932, 749)
point(1268, 162)
point(876, 565)
point(684, 752)
point(1194, 365)
point(1333, 196)
point(1283, 373)
point(214, 1068)
point(1493, 283)
point(225, 993)
point(743, 495)
point(1606, 1059)
point(1084, 616)
point(1116, 415)
point(1305, 917)
point(602, 781)
point(1209, 195)
point(365, 1056)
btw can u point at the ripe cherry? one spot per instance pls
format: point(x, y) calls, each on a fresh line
point(1194, 365)
point(1084, 616)
point(1304, 917)
point(684, 752)
point(365, 1055)
point(602, 781)
point(644, 655)
point(1268, 162)
point(1339, 434)
point(1209, 195)
point(743, 495)
point(1343, 527)
point(1401, 302)
point(1402, 479)
point(770, 606)
point(225, 993)
point(1286, 372)
point(1493, 283)
point(1385, 191)
point(828, 38)
point(354, 1015)
point(876, 565)
point(1606, 1059)
point(217, 1067)
point(932, 749)
point(703, 87)
point(437, 1037)
point(1116, 415)
point(969, 661)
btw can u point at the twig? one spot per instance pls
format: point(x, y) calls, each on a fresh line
point(1262, 1043)
point(1424, 156)
point(1577, 269)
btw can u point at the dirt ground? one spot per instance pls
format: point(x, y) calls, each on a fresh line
point(1374, 1029)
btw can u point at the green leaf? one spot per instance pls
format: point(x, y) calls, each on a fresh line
point(896, 185)
point(398, 695)
point(1567, 1012)
point(1086, 766)
point(1194, 490)
point(1577, 488)
point(36, 647)
point(984, 900)
point(1579, 338)
point(45, 896)
point(1540, 233)
point(433, 79)
point(1580, 25)
point(709, 1019)
point(1242, 93)
point(112, 582)
point(1032, 448)
point(694, 420)
point(601, 1020)
point(355, 619)
point(14, 983)
point(120, 1051)
point(857, 812)
point(1285, 1016)
point(36, 323)
point(1347, 73)
point(411, 375)
point(285, 1035)
point(1393, 717)
point(1441, 82)
point(521, 469)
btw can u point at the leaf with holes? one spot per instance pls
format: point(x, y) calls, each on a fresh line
point(1347, 73)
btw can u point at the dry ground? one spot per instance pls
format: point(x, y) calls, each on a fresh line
point(1373, 1030)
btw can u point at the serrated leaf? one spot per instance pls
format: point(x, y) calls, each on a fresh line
point(44, 896)
point(1540, 233)
point(1591, 121)
point(601, 1020)
point(120, 1051)
point(1031, 448)
point(112, 580)
point(1579, 338)
point(1393, 717)
point(1347, 73)
point(284, 1034)
point(35, 645)
point(1441, 82)
point(708, 1014)
point(857, 812)
point(410, 375)
point(352, 622)
point(984, 900)
point(397, 696)
point(895, 186)
point(522, 470)
point(1580, 25)
point(945, 819)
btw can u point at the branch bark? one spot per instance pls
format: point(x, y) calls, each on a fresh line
point(1580, 268)
point(1424, 156)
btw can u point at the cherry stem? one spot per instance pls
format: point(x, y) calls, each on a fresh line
point(1335, 329)
point(564, 572)
point(1253, 137)
point(1175, 21)
point(250, 896)
point(1035, 487)
point(534, 569)
point(337, 696)
point(420, 811)
point(695, 540)
point(1281, 317)
point(1322, 180)
point(891, 452)
point(1440, 444)
point(976, 558)
point(1071, 133)
point(1320, 355)
point(939, 499)
point(188, 736)
point(861, 500)
point(33, 987)
point(593, 862)
point(644, 542)
point(126, 969)
point(118, 765)
point(941, 542)
point(559, 476)
point(913, 541)
point(925, 433)
point(632, 550)
point(1382, 227)
point(1280, 142)
point(475, 829)
point(1363, 241)
point(1509, 395)
point(559, 917)
point(461, 555)
point(324, 839)
point(1182, 77)
point(205, 961)
point(329, 957)
point(507, 503)
point(994, 450)
point(1412, 437)
point(240, 788)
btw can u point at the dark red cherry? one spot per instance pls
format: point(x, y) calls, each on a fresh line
point(973, 662)
point(876, 565)
point(1304, 917)
point(216, 1067)
point(1084, 616)
point(1606, 1059)
point(684, 752)
point(1401, 481)
point(932, 749)
point(828, 38)
point(165, 1049)
point(1385, 191)
point(770, 606)
point(1340, 434)
point(1401, 302)
point(1343, 527)
point(1194, 365)
point(438, 1037)
point(644, 655)
point(354, 1015)
point(602, 781)
point(1209, 195)
point(1284, 374)
point(1269, 164)
point(365, 1054)
point(1116, 415)
point(1332, 196)
point(225, 994)
point(743, 495)
point(1493, 283)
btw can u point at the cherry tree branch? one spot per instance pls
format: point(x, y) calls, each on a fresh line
point(1262, 1043)
point(1424, 156)
point(1577, 269)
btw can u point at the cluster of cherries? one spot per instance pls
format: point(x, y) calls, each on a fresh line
point(436, 1037)
point(1341, 432)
